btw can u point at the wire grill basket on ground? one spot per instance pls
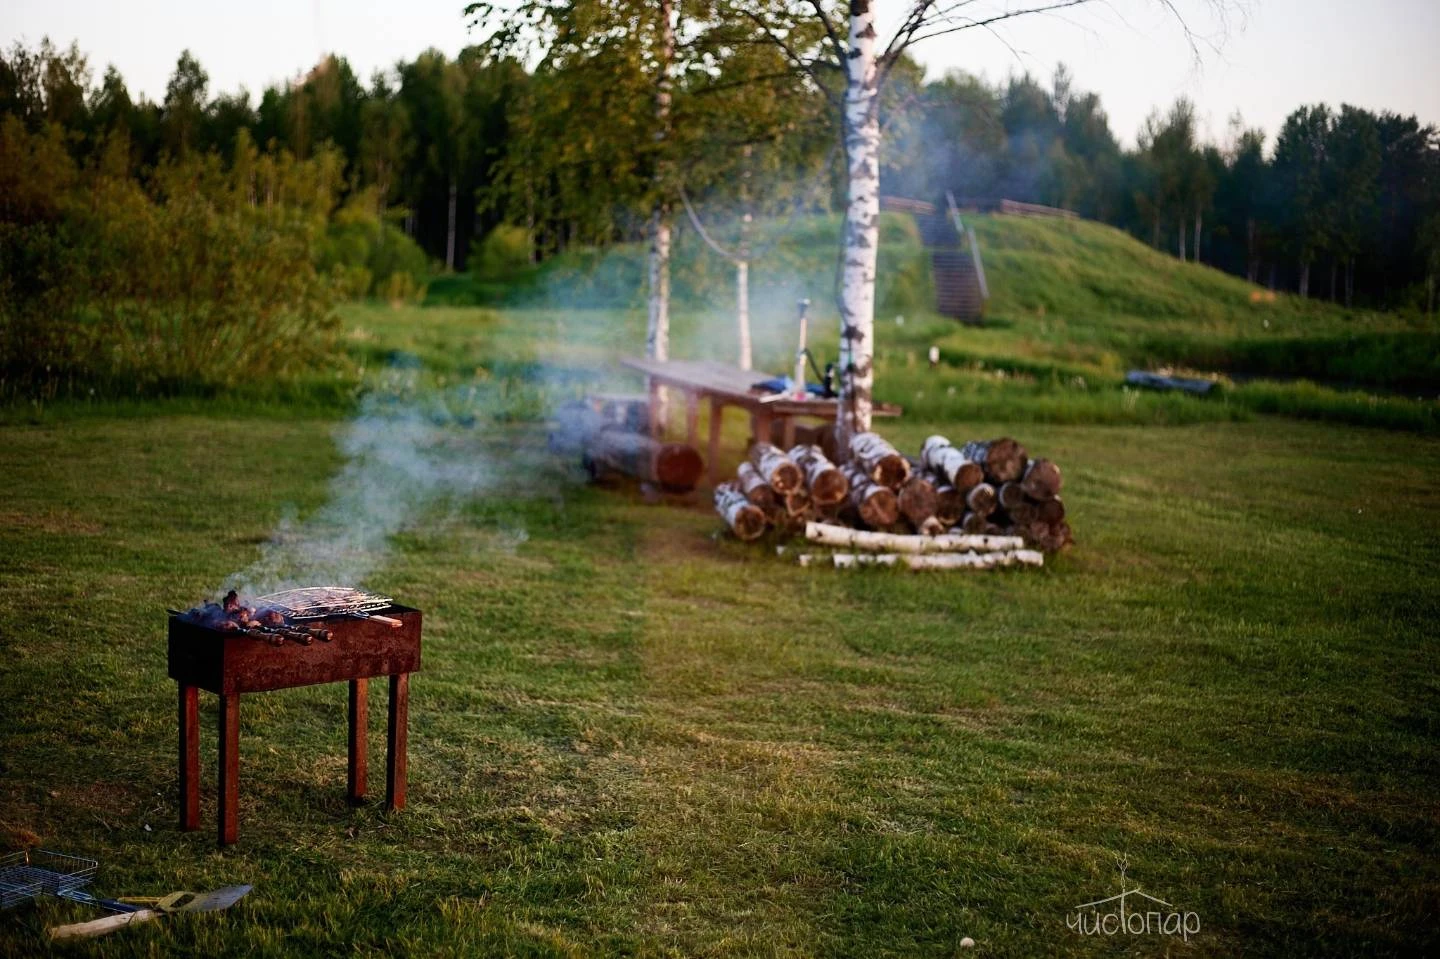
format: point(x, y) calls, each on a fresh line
point(25, 875)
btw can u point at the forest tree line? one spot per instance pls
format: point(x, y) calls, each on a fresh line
point(1344, 203)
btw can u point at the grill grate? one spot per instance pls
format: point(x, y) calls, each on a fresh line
point(317, 602)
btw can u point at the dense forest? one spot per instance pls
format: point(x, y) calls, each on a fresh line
point(1343, 203)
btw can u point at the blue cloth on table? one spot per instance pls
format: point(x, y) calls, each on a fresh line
point(786, 384)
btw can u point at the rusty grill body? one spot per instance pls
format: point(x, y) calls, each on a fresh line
point(229, 663)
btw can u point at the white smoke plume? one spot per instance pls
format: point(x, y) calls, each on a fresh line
point(408, 452)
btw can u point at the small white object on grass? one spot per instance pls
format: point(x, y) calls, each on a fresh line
point(934, 356)
point(967, 943)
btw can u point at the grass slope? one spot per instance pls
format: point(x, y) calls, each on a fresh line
point(1075, 304)
point(634, 736)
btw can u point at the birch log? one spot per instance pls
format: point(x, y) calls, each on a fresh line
point(880, 461)
point(1041, 480)
point(674, 467)
point(949, 543)
point(826, 483)
point(975, 523)
point(942, 457)
point(796, 502)
point(756, 490)
point(875, 503)
point(1013, 557)
point(1003, 459)
point(981, 499)
point(917, 502)
point(949, 504)
point(744, 518)
point(1051, 511)
point(778, 469)
point(1009, 494)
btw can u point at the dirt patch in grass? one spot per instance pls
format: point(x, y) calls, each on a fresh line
point(52, 523)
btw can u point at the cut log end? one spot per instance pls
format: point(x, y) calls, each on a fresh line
point(745, 519)
point(917, 500)
point(1041, 480)
point(969, 476)
point(981, 499)
point(880, 509)
point(678, 467)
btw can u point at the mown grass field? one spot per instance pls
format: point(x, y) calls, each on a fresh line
point(632, 735)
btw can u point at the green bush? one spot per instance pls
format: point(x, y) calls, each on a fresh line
point(502, 254)
point(184, 283)
point(368, 255)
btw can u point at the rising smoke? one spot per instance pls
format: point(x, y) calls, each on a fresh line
point(411, 451)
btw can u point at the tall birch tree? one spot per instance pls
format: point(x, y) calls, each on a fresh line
point(850, 61)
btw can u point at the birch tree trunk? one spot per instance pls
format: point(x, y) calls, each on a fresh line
point(657, 333)
point(1181, 232)
point(1198, 221)
point(862, 226)
point(742, 264)
point(742, 297)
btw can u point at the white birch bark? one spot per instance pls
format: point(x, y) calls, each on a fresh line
point(829, 535)
point(657, 333)
point(742, 265)
point(862, 226)
point(742, 313)
point(1017, 557)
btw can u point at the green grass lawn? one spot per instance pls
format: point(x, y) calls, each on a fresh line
point(633, 735)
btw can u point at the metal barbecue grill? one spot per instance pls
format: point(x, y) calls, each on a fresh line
point(319, 602)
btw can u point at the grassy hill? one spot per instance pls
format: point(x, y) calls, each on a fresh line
point(1074, 305)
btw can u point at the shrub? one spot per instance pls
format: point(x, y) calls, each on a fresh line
point(183, 283)
point(503, 253)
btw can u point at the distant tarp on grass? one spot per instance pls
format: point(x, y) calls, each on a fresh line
point(1159, 381)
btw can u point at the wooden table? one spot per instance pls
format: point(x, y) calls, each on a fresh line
point(723, 385)
point(228, 664)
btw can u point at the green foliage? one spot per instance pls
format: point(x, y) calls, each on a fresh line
point(116, 288)
point(372, 257)
point(503, 254)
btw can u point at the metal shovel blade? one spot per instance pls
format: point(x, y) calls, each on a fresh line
point(211, 901)
point(175, 902)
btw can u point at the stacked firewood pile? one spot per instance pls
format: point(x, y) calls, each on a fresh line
point(979, 489)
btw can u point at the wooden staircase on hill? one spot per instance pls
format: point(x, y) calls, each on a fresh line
point(955, 264)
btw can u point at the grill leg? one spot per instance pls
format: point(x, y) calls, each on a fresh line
point(229, 768)
point(189, 757)
point(396, 765)
point(359, 721)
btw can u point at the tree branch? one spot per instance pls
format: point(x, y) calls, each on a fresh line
point(700, 229)
point(967, 23)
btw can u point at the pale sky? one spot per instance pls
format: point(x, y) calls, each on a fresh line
point(1274, 55)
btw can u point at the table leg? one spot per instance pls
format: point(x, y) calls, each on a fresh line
point(692, 417)
point(229, 768)
point(716, 421)
point(396, 764)
point(189, 757)
point(359, 723)
point(788, 426)
point(657, 428)
point(760, 426)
